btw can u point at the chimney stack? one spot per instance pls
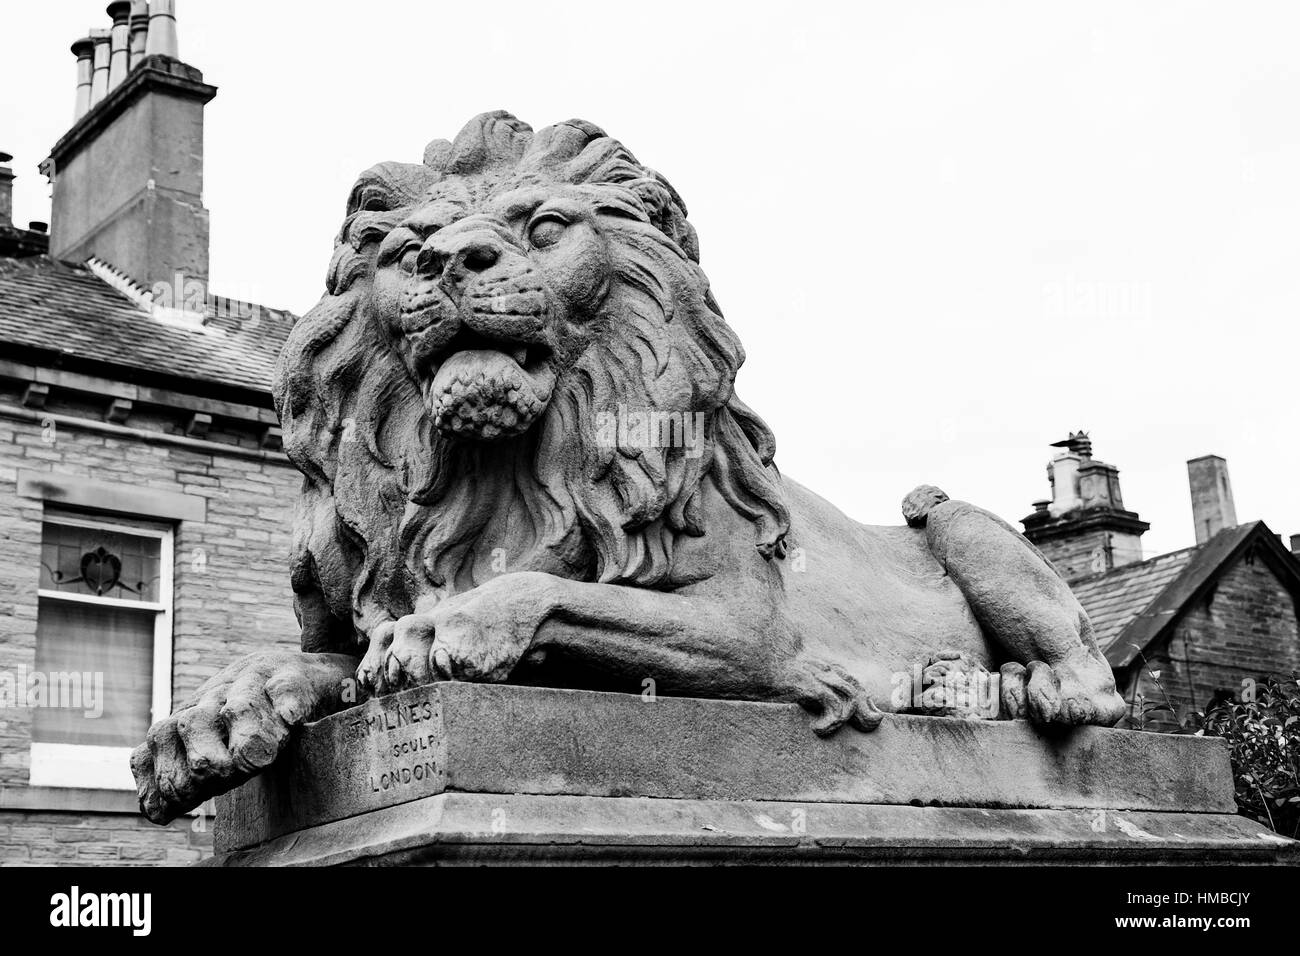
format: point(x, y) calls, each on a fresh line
point(1212, 506)
point(1295, 545)
point(1084, 529)
point(85, 53)
point(6, 191)
point(128, 175)
point(139, 30)
point(15, 241)
point(162, 30)
point(99, 77)
point(119, 61)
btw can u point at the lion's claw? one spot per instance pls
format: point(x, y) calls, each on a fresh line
point(834, 696)
point(1013, 691)
point(1076, 691)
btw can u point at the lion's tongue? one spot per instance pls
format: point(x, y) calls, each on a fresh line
point(485, 393)
point(470, 365)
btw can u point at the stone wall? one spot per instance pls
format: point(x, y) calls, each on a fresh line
point(231, 596)
point(1246, 628)
point(1079, 555)
point(33, 838)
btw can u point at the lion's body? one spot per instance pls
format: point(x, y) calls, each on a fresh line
point(474, 507)
point(488, 313)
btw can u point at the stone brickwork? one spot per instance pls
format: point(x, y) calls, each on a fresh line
point(30, 838)
point(231, 596)
point(1078, 555)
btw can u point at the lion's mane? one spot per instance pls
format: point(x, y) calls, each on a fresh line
point(392, 509)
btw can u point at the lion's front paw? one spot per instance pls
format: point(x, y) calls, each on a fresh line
point(235, 726)
point(480, 635)
point(1075, 691)
point(835, 696)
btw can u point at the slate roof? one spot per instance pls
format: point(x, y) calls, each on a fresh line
point(49, 305)
point(1131, 607)
point(1114, 598)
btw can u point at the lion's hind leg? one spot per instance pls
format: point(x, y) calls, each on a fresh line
point(1026, 607)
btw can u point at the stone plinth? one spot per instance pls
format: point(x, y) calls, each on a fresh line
point(473, 773)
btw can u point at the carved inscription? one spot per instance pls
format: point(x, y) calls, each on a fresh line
point(404, 741)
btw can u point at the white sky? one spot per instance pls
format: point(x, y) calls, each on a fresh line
point(948, 233)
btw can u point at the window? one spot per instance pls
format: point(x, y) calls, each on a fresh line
point(103, 648)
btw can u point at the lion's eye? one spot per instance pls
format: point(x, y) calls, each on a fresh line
point(546, 231)
point(410, 253)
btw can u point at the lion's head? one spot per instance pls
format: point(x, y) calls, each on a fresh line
point(458, 400)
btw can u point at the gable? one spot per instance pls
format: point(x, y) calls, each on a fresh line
point(1138, 604)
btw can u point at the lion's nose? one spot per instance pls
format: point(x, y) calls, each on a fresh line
point(457, 260)
point(480, 257)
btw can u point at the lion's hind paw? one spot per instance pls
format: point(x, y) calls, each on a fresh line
point(1071, 693)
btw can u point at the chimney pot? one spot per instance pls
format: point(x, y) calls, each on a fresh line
point(1078, 443)
point(99, 78)
point(1212, 505)
point(162, 30)
point(84, 49)
point(1295, 544)
point(139, 30)
point(119, 43)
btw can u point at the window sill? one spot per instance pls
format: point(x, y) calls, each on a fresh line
point(68, 800)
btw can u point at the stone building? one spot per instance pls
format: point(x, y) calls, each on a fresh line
point(1184, 628)
point(144, 500)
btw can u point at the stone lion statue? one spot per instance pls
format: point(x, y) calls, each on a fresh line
point(525, 460)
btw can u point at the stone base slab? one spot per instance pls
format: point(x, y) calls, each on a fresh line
point(475, 829)
point(475, 772)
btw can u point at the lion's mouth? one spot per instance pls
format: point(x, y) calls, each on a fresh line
point(485, 388)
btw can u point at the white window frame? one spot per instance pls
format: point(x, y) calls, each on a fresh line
point(108, 768)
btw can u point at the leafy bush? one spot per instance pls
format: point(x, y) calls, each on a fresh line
point(1263, 729)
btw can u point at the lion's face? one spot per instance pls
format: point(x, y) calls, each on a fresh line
point(488, 312)
point(490, 301)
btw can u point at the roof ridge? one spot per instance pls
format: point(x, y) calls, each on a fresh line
point(143, 298)
point(116, 279)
